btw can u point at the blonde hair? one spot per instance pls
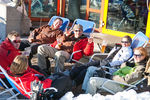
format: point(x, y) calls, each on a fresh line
point(142, 50)
point(19, 65)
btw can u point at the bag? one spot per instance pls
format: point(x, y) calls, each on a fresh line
point(60, 81)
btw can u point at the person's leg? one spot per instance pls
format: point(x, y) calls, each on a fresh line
point(89, 74)
point(76, 70)
point(60, 58)
point(37, 68)
point(80, 77)
point(34, 47)
point(95, 83)
point(24, 44)
point(44, 52)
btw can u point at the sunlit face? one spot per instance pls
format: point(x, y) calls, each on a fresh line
point(77, 33)
point(125, 42)
point(138, 56)
point(57, 23)
point(15, 41)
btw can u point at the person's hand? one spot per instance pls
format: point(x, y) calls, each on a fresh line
point(58, 46)
point(68, 32)
point(90, 40)
point(31, 40)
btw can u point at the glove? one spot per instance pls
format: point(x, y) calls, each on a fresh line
point(104, 62)
point(99, 73)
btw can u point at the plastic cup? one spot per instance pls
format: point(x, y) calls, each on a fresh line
point(104, 44)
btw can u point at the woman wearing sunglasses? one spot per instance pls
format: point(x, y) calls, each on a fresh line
point(129, 72)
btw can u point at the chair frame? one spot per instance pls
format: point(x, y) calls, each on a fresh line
point(130, 86)
point(14, 85)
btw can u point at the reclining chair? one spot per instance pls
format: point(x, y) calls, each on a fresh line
point(16, 87)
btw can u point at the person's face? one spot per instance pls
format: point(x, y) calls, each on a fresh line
point(77, 33)
point(57, 23)
point(15, 41)
point(125, 42)
point(138, 56)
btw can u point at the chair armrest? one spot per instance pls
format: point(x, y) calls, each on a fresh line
point(71, 56)
point(97, 54)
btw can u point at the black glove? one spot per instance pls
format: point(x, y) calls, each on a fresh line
point(41, 78)
point(99, 73)
point(104, 62)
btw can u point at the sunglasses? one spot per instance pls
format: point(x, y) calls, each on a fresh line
point(138, 55)
point(16, 41)
point(77, 30)
point(124, 42)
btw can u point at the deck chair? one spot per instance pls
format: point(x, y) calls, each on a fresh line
point(129, 86)
point(140, 39)
point(65, 24)
point(15, 86)
point(7, 89)
point(88, 26)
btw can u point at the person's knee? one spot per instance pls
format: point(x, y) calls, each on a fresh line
point(58, 54)
point(91, 69)
point(40, 49)
point(62, 55)
point(92, 81)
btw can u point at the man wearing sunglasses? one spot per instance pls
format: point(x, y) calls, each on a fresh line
point(117, 56)
point(9, 49)
point(63, 47)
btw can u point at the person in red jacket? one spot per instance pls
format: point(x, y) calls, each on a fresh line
point(23, 77)
point(62, 48)
point(9, 49)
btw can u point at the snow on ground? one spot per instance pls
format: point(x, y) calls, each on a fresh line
point(125, 95)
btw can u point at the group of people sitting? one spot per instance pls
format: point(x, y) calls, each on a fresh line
point(50, 42)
